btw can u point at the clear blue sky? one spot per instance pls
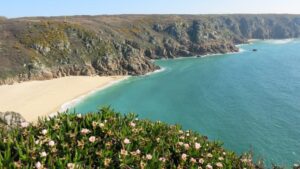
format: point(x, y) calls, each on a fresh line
point(18, 8)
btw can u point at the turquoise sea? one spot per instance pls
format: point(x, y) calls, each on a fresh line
point(248, 100)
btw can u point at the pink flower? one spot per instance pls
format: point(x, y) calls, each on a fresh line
point(208, 166)
point(219, 165)
point(126, 141)
point(51, 143)
point(132, 124)
point(162, 159)
point(201, 160)
point(186, 146)
point(149, 156)
point(85, 131)
point(38, 165)
point(197, 146)
point(183, 157)
point(92, 139)
point(193, 160)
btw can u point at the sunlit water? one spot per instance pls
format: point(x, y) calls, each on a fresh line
point(249, 100)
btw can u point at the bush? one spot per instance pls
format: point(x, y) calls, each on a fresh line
point(107, 139)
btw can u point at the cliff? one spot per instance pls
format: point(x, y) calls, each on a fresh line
point(45, 48)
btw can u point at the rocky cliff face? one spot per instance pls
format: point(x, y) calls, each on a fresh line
point(45, 48)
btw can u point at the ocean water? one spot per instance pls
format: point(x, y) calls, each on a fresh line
point(248, 100)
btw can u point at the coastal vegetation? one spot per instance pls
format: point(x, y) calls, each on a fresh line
point(107, 139)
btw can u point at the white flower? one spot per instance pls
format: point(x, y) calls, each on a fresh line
point(209, 155)
point(181, 137)
point(79, 116)
point(221, 158)
point(208, 166)
point(37, 142)
point(126, 141)
point(180, 131)
point(186, 146)
point(51, 143)
point(124, 152)
point(183, 157)
point(43, 154)
point(180, 143)
point(38, 165)
point(158, 139)
point(132, 124)
point(85, 131)
point(24, 124)
point(149, 156)
point(201, 160)
point(187, 134)
point(92, 139)
point(224, 153)
point(101, 125)
point(197, 146)
point(44, 132)
point(138, 151)
point(162, 159)
point(105, 121)
point(71, 165)
point(219, 165)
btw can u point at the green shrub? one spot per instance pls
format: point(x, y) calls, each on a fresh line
point(107, 139)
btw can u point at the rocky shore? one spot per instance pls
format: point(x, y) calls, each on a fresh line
point(46, 48)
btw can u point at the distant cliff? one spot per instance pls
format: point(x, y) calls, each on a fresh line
point(45, 48)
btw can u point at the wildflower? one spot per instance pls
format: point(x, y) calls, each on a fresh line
point(107, 161)
point(71, 165)
point(158, 139)
point(24, 124)
point(79, 115)
point(38, 165)
point(208, 166)
point(180, 143)
point(94, 124)
point(221, 158)
point(209, 155)
point(85, 131)
point(105, 121)
point(181, 137)
point(149, 156)
point(224, 153)
point(51, 143)
point(180, 132)
point(126, 141)
point(37, 142)
point(132, 124)
point(92, 139)
point(219, 165)
point(162, 159)
point(201, 161)
point(187, 134)
point(44, 132)
point(186, 146)
point(193, 160)
point(124, 152)
point(138, 151)
point(101, 125)
point(43, 154)
point(183, 157)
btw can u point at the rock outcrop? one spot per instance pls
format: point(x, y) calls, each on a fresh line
point(45, 48)
point(10, 120)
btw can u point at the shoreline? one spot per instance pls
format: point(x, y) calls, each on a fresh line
point(35, 99)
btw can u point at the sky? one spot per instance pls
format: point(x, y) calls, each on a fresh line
point(21, 8)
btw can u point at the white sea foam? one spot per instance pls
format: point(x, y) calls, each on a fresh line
point(156, 71)
point(283, 41)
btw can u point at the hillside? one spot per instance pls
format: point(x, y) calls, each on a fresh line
point(45, 48)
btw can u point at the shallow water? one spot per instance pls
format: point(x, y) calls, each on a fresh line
point(249, 100)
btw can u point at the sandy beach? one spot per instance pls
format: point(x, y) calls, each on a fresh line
point(35, 99)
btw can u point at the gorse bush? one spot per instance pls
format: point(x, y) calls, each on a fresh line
point(107, 139)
